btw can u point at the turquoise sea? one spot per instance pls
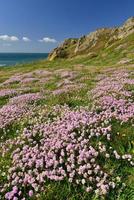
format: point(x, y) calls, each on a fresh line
point(8, 59)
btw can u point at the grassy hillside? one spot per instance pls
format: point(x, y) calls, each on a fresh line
point(67, 128)
point(108, 45)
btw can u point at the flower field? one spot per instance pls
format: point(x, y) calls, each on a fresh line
point(67, 134)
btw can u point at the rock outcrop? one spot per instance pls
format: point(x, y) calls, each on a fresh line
point(94, 42)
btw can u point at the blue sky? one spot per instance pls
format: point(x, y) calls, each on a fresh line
point(40, 25)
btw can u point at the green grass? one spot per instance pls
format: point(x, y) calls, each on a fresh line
point(123, 135)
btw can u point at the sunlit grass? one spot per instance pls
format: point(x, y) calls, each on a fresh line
point(122, 135)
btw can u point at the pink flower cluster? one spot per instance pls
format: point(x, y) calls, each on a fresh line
point(69, 144)
point(13, 79)
point(114, 84)
point(61, 149)
point(10, 113)
point(55, 151)
point(27, 77)
point(16, 108)
point(7, 92)
point(29, 80)
point(25, 98)
point(111, 94)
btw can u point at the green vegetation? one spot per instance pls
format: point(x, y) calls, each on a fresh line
point(87, 71)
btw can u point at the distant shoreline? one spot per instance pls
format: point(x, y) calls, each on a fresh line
point(12, 59)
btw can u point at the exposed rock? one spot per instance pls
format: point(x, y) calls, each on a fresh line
point(122, 46)
point(94, 42)
point(63, 50)
point(127, 28)
point(124, 61)
point(92, 55)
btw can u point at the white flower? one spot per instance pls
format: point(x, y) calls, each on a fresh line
point(83, 181)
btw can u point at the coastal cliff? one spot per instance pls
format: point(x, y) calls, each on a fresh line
point(98, 42)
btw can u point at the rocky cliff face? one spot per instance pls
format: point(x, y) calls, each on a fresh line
point(93, 43)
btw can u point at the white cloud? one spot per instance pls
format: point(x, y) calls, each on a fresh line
point(9, 38)
point(26, 39)
point(47, 39)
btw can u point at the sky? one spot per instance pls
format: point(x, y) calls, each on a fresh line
point(41, 25)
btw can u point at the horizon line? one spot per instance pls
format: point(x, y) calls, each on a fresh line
point(26, 52)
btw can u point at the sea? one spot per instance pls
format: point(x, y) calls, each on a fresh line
point(11, 59)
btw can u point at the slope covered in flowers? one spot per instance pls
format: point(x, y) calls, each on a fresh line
point(86, 149)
